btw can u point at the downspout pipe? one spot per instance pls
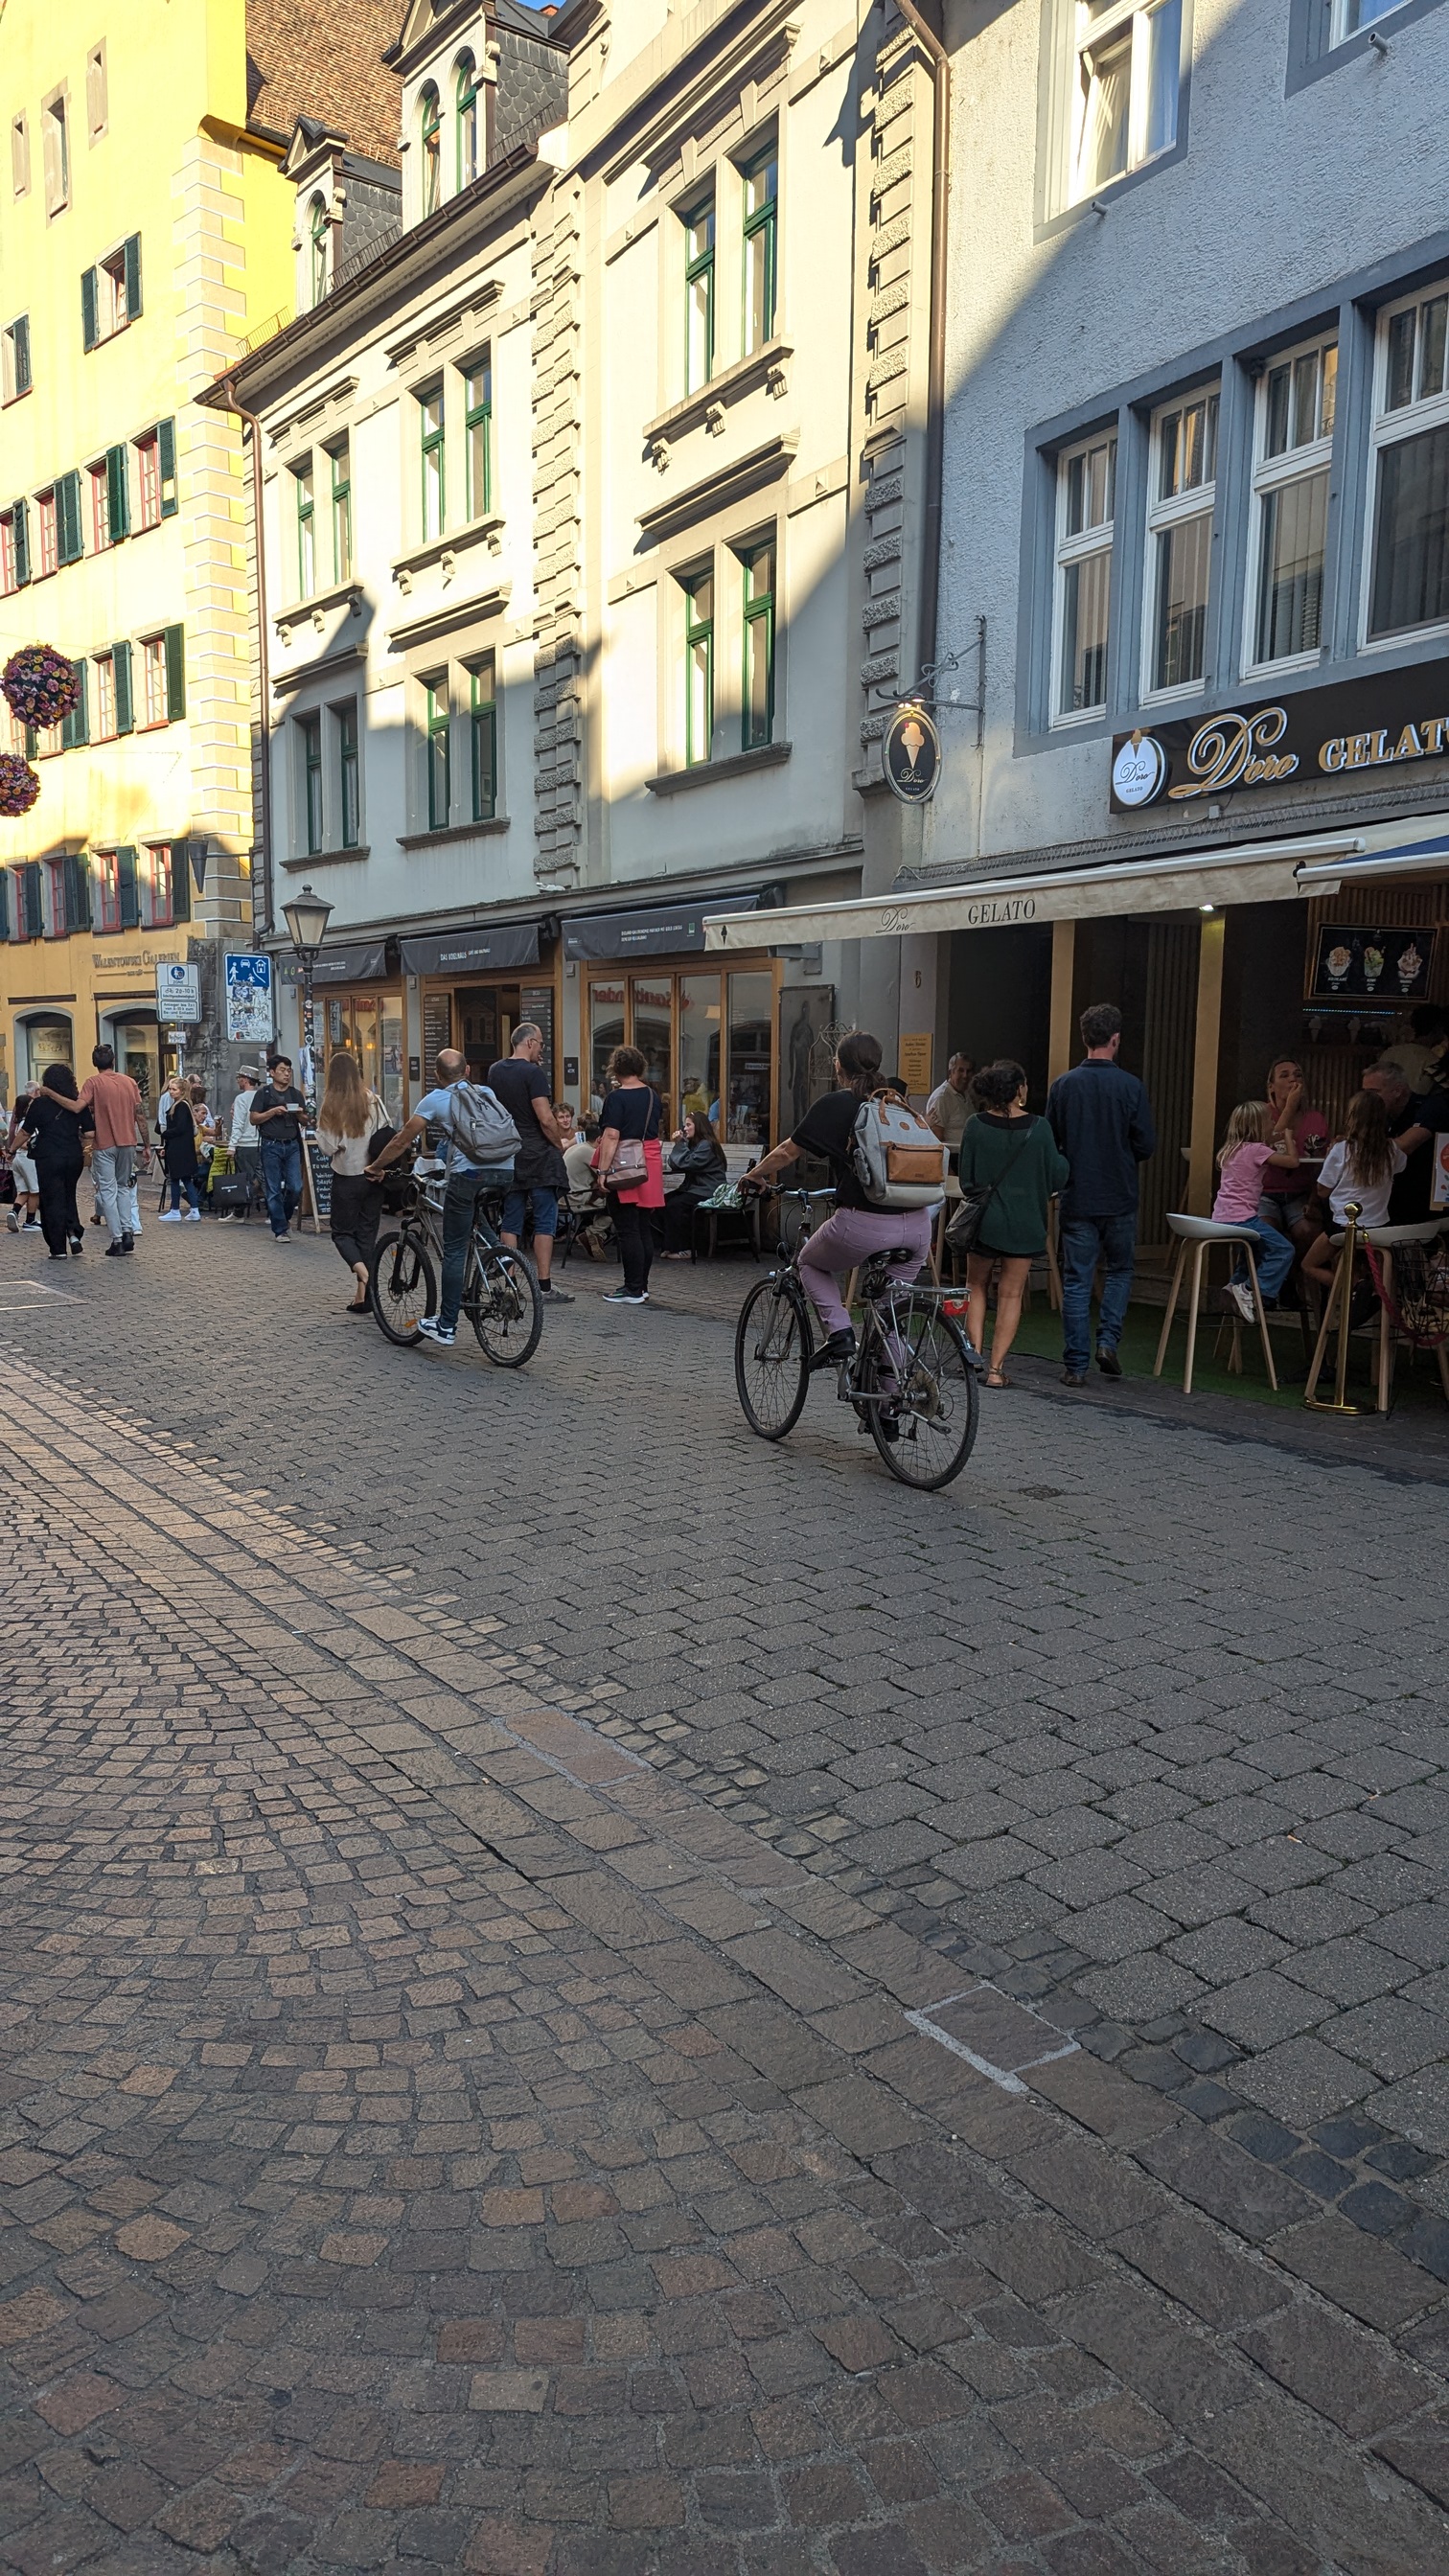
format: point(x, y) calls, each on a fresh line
point(264, 670)
point(936, 361)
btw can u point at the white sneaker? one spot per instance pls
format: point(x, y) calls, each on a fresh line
point(169, 1216)
point(193, 1216)
point(1242, 1297)
point(433, 1331)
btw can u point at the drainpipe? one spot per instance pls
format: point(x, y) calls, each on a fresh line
point(254, 426)
point(936, 365)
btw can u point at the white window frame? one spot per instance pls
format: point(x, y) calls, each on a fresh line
point(1271, 474)
point(1067, 551)
point(1198, 501)
point(1084, 36)
point(97, 100)
point(1389, 429)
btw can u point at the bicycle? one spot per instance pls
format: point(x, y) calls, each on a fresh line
point(501, 1295)
point(912, 1380)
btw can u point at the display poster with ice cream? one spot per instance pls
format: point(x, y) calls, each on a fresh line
point(1439, 1188)
point(1390, 966)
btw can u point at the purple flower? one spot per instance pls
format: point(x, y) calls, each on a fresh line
point(19, 784)
point(40, 684)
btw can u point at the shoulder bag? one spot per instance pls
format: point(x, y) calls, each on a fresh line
point(966, 1224)
point(629, 1169)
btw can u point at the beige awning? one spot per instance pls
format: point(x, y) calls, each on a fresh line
point(1201, 880)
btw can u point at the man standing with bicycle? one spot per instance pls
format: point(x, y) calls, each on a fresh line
point(467, 1112)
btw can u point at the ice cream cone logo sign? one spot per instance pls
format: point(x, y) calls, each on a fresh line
point(911, 754)
point(1139, 769)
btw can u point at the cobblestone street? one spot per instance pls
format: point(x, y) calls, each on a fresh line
point(583, 1996)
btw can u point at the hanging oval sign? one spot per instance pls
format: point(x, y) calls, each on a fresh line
point(910, 755)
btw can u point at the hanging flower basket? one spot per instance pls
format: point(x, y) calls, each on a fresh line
point(41, 685)
point(19, 784)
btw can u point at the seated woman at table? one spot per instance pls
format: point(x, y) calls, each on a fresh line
point(1359, 1172)
point(699, 1155)
point(1286, 1198)
point(1014, 1156)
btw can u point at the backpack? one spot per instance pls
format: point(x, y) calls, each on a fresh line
point(480, 1126)
point(896, 1158)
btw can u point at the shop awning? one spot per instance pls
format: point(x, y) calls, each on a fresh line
point(669, 931)
point(1246, 872)
point(360, 964)
point(480, 950)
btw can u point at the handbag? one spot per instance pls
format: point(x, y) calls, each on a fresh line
point(629, 1169)
point(964, 1227)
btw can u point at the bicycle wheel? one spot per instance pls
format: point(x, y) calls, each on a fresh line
point(927, 1433)
point(772, 1357)
point(504, 1304)
point(402, 1287)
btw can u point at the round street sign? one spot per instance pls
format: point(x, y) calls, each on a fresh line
point(910, 755)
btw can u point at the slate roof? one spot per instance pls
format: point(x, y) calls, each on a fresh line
point(321, 59)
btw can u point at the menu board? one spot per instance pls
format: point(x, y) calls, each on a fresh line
point(1386, 966)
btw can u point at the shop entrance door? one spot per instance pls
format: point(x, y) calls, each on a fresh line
point(486, 1017)
point(136, 1039)
point(370, 1027)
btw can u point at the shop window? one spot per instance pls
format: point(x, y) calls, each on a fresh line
point(55, 144)
point(437, 750)
point(434, 490)
point(1086, 498)
point(349, 804)
point(304, 496)
point(478, 435)
point(106, 866)
point(651, 1011)
point(699, 1045)
point(761, 178)
point(483, 739)
point(309, 751)
point(1293, 450)
point(1409, 575)
point(467, 97)
point(47, 531)
point(606, 1031)
point(96, 104)
point(1179, 542)
point(105, 697)
point(698, 221)
point(15, 359)
point(698, 589)
point(757, 696)
point(339, 461)
point(111, 293)
point(430, 133)
point(751, 1009)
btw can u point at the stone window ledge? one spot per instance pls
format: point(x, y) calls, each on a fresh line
point(703, 773)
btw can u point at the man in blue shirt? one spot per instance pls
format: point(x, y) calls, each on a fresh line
point(466, 1181)
point(1100, 1117)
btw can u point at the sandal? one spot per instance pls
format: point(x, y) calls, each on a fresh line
point(997, 1378)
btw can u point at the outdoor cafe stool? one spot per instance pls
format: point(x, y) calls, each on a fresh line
point(1198, 1234)
point(1385, 1240)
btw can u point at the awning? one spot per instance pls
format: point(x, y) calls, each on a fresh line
point(480, 950)
point(675, 929)
point(361, 964)
point(1246, 872)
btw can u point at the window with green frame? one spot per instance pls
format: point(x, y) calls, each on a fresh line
point(478, 434)
point(430, 129)
point(698, 590)
point(761, 179)
point(350, 805)
point(757, 695)
point(483, 738)
point(310, 731)
point(339, 458)
point(467, 95)
point(439, 751)
point(430, 412)
point(306, 530)
point(698, 293)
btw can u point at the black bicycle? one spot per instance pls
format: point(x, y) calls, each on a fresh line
point(501, 1295)
point(912, 1380)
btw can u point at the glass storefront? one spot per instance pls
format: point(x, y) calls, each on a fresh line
point(370, 1027)
point(707, 1039)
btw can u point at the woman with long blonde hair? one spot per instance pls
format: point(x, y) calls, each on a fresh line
point(347, 1121)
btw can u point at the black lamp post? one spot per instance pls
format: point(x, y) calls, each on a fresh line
point(306, 917)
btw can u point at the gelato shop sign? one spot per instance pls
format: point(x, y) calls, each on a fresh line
point(1378, 722)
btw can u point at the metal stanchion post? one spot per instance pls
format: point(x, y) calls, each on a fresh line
point(1344, 1292)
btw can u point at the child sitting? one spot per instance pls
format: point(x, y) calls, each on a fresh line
point(1358, 1172)
point(1246, 1153)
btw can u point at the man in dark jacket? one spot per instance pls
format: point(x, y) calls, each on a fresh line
point(1100, 1117)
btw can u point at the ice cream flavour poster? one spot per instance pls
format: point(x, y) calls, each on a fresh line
point(1384, 965)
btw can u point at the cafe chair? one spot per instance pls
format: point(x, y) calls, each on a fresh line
point(1197, 1235)
point(1386, 1240)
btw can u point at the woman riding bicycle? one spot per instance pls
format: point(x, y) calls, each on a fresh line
point(856, 1230)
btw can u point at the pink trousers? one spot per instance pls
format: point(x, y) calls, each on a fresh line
point(850, 1237)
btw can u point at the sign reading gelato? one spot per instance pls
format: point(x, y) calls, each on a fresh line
point(1374, 965)
point(1375, 723)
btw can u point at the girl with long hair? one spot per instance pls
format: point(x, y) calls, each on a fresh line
point(349, 1117)
point(1017, 1159)
point(1360, 1172)
point(699, 1155)
point(1251, 1148)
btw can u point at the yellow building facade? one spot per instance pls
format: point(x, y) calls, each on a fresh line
point(145, 232)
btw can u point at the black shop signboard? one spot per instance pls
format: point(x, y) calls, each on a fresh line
point(1385, 720)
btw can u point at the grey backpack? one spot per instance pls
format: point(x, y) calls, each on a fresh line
point(480, 1126)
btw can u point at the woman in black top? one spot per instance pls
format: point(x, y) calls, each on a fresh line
point(857, 1229)
point(632, 1110)
point(699, 1155)
point(178, 1155)
point(56, 1142)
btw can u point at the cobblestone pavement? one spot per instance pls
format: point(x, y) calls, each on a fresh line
point(549, 1946)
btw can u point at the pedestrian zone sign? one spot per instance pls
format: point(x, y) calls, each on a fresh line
point(178, 994)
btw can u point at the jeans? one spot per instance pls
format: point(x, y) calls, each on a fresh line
point(191, 1186)
point(545, 1210)
point(1273, 1253)
point(460, 1214)
point(849, 1238)
point(111, 1170)
point(1085, 1241)
point(282, 1181)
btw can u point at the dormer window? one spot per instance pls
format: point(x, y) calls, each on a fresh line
point(431, 129)
point(317, 251)
point(467, 121)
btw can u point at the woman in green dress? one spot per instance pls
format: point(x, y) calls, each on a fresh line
point(1015, 1156)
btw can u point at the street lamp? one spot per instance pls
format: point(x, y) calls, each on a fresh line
point(306, 917)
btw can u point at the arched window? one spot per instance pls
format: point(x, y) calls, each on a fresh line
point(432, 139)
point(318, 251)
point(467, 121)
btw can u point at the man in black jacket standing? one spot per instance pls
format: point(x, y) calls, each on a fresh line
point(539, 1170)
point(1100, 1117)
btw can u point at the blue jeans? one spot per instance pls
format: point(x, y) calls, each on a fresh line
point(1085, 1241)
point(1273, 1254)
point(192, 1189)
point(545, 1210)
point(281, 1180)
point(460, 1214)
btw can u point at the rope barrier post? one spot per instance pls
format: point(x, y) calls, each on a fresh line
point(1343, 1290)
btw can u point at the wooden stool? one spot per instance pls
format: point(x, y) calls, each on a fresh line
point(1198, 1234)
